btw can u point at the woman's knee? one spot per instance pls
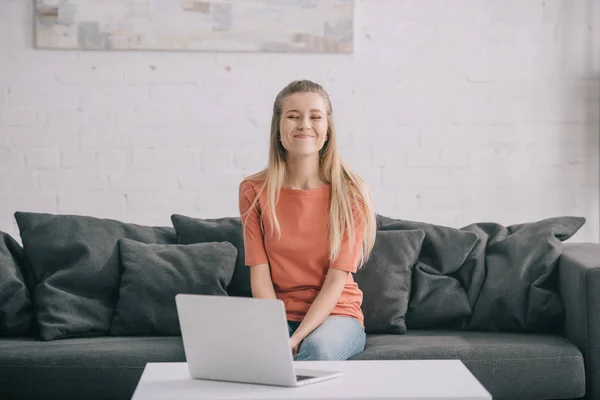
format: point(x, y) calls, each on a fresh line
point(317, 347)
point(326, 343)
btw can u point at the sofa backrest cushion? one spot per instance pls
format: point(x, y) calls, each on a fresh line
point(153, 274)
point(15, 303)
point(74, 261)
point(227, 229)
point(385, 280)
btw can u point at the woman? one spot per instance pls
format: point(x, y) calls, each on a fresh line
point(308, 223)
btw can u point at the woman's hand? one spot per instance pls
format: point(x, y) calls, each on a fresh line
point(294, 344)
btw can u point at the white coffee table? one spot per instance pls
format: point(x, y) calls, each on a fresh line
point(406, 379)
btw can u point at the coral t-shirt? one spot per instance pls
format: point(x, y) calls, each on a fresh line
point(299, 260)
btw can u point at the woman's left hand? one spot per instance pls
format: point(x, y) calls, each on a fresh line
point(294, 344)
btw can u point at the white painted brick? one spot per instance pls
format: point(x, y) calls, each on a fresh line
point(41, 159)
point(447, 199)
point(423, 158)
point(168, 203)
point(496, 32)
point(361, 162)
point(394, 136)
point(19, 180)
point(113, 96)
point(167, 116)
point(154, 159)
point(77, 158)
point(166, 69)
point(218, 204)
point(214, 160)
point(42, 201)
point(111, 138)
point(396, 201)
point(250, 160)
point(6, 225)
point(530, 12)
point(3, 95)
point(78, 117)
point(11, 158)
point(129, 118)
point(19, 116)
point(63, 118)
point(422, 177)
point(43, 96)
point(84, 74)
point(113, 160)
point(99, 117)
point(455, 158)
point(175, 138)
point(487, 103)
point(14, 69)
point(73, 180)
point(170, 95)
point(567, 134)
point(144, 181)
point(5, 183)
point(482, 178)
point(501, 155)
point(463, 137)
point(211, 182)
point(28, 138)
point(98, 204)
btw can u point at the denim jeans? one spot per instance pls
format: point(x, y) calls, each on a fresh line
point(337, 338)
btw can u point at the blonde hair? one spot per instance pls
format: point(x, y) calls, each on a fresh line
point(345, 184)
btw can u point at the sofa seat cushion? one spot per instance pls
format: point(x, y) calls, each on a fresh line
point(509, 365)
point(85, 368)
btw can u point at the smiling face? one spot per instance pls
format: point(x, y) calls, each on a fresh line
point(303, 125)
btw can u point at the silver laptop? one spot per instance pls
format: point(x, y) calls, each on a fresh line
point(240, 339)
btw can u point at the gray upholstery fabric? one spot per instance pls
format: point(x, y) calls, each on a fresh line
point(486, 276)
point(75, 264)
point(437, 298)
point(153, 274)
point(510, 275)
point(86, 368)
point(228, 229)
point(579, 271)
point(15, 303)
point(385, 280)
point(508, 365)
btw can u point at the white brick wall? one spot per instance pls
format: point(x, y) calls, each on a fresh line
point(454, 111)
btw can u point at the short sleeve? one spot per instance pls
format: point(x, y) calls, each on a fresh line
point(350, 251)
point(254, 247)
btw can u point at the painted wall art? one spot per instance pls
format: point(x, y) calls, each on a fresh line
point(315, 26)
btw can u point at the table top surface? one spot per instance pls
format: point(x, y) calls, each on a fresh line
point(385, 379)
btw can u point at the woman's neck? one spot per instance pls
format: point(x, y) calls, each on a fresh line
point(303, 173)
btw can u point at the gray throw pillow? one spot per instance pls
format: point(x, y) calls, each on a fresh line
point(15, 303)
point(74, 261)
point(228, 229)
point(512, 275)
point(153, 274)
point(385, 280)
point(438, 298)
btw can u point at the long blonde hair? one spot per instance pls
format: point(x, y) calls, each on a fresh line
point(345, 184)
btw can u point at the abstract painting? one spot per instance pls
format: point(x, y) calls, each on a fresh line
point(315, 26)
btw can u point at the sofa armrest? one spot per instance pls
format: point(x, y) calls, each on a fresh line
point(579, 275)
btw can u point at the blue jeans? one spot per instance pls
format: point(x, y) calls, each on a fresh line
point(337, 338)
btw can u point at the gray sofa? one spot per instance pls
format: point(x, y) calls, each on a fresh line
point(536, 355)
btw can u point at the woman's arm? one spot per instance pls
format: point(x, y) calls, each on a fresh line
point(323, 305)
point(261, 283)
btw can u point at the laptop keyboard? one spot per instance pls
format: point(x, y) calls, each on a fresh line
point(303, 377)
